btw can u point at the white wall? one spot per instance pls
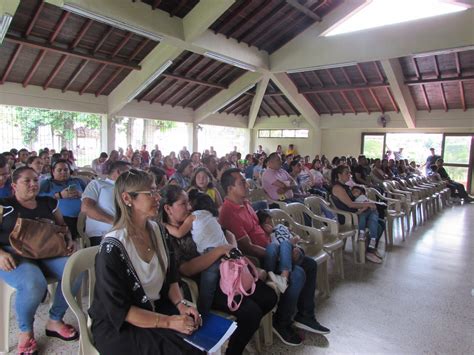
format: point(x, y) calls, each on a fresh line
point(304, 146)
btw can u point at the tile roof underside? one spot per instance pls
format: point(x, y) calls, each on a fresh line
point(191, 80)
point(441, 82)
point(174, 8)
point(52, 48)
point(274, 103)
point(269, 24)
point(351, 89)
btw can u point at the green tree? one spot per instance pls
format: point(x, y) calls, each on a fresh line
point(61, 122)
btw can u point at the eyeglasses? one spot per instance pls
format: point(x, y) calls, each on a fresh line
point(151, 193)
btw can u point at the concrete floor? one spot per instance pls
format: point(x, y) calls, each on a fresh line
point(420, 300)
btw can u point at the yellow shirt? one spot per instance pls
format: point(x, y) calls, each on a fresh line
point(291, 151)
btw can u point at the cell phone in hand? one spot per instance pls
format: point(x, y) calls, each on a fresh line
point(72, 188)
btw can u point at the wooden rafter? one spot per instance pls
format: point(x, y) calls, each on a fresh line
point(232, 15)
point(263, 111)
point(458, 63)
point(121, 45)
point(463, 97)
point(425, 97)
point(33, 68)
point(392, 99)
point(361, 72)
point(417, 70)
point(177, 8)
point(195, 81)
point(307, 12)
point(162, 91)
point(443, 95)
point(179, 87)
point(65, 15)
point(262, 26)
point(35, 18)
point(68, 52)
point(10, 63)
point(249, 18)
point(306, 82)
point(435, 60)
point(316, 76)
point(55, 72)
point(279, 105)
point(254, 32)
point(441, 80)
point(108, 82)
point(377, 69)
point(269, 107)
point(344, 72)
point(320, 99)
point(81, 33)
point(104, 38)
point(313, 105)
point(342, 88)
point(359, 97)
point(336, 103)
point(328, 71)
point(76, 73)
point(92, 78)
point(346, 99)
point(376, 100)
point(184, 93)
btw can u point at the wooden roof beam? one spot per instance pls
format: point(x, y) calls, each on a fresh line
point(443, 95)
point(325, 106)
point(76, 73)
point(442, 80)
point(425, 97)
point(343, 94)
point(92, 78)
point(342, 88)
point(10, 64)
point(85, 27)
point(32, 23)
point(377, 102)
point(34, 68)
point(195, 81)
point(463, 97)
point(304, 10)
point(362, 101)
point(55, 72)
point(235, 13)
point(54, 49)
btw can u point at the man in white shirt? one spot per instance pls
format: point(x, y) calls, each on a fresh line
point(98, 203)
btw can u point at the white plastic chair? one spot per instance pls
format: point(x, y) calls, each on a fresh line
point(345, 230)
point(83, 261)
point(312, 245)
point(329, 228)
point(6, 293)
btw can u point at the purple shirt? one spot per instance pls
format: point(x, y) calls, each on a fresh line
point(270, 176)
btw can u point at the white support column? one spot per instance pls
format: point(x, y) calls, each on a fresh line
point(257, 100)
point(400, 91)
point(107, 133)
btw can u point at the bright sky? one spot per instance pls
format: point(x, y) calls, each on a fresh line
point(386, 12)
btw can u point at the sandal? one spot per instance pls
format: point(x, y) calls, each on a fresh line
point(63, 333)
point(28, 348)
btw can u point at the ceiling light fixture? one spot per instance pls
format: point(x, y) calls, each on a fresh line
point(111, 21)
point(231, 61)
point(321, 67)
point(235, 97)
point(443, 51)
point(5, 21)
point(151, 79)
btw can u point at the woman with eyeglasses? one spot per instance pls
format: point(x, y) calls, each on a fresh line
point(67, 190)
point(367, 212)
point(138, 307)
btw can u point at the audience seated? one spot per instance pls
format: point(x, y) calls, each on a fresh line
point(276, 181)
point(173, 211)
point(457, 189)
point(5, 181)
point(296, 305)
point(183, 173)
point(98, 164)
point(202, 181)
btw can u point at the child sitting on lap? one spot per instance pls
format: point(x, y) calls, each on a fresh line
point(282, 250)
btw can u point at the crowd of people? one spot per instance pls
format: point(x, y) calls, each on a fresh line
point(157, 217)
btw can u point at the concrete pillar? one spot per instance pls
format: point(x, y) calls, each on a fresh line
point(194, 136)
point(107, 133)
point(252, 146)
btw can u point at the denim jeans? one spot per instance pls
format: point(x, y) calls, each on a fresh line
point(280, 254)
point(209, 280)
point(299, 296)
point(370, 218)
point(29, 280)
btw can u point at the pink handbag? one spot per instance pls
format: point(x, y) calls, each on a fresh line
point(238, 278)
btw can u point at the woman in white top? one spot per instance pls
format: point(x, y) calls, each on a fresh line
point(138, 307)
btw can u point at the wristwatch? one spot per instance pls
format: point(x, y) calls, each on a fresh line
point(183, 301)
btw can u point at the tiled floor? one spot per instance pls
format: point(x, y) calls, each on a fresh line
point(420, 300)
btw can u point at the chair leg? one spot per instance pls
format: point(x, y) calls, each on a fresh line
point(339, 256)
point(6, 293)
point(322, 278)
point(362, 246)
point(256, 339)
point(354, 247)
point(403, 228)
point(267, 329)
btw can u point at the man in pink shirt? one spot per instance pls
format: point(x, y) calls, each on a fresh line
point(296, 306)
point(276, 182)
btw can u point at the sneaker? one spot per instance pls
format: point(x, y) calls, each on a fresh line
point(373, 258)
point(361, 236)
point(287, 335)
point(310, 325)
point(372, 243)
point(280, 281)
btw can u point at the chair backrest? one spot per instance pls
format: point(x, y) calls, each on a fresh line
point(81, 225)
point(296, 211)
point(81, 262)
point(314, 204)
point(257, 194)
